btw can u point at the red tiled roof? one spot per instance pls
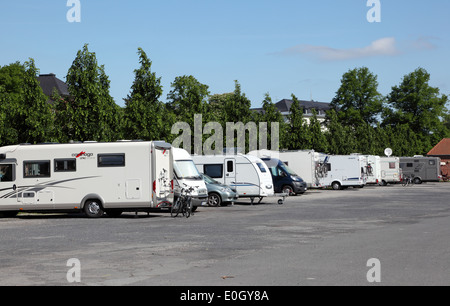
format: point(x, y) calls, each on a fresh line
point(442, 148)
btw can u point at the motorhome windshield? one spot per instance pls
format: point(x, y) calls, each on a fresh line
point(287, 169)
point(185, 169)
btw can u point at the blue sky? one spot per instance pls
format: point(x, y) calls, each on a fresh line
point(281, 47)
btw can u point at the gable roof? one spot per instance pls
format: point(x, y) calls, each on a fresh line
point(442, 148)
point(49, 82)
point(285, 105)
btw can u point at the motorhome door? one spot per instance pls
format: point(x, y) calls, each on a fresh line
point(230, 171)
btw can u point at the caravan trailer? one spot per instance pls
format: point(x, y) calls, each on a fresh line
point(423, 169)
point(187, 175)
point(91, 177)
point(390, 170)
point(246, 174)
point(307, 164)
point(345, 171)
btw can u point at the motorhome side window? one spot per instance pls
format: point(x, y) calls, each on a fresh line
point(432, 162)
point(7, 173)
point(65, 165)
point(214, 171)
point(33, 169)
point(261, 167)
point(111, 160)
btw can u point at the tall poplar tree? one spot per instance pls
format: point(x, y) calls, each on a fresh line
point(145, 115)
point(92, 112)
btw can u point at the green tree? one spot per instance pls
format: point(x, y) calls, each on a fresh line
point(318, 139)
point(26, 116)
point(358, 99)
point(340, 138)
point(187, 98)
point(297, 132)
point(420, 107)
point(145, 116)
point(270, 115)
point(92, 112)
point(237, 106)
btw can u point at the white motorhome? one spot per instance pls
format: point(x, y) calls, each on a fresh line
point(307, 164)
point(344, 171)
point(91, 177)
point(373, 169)
point(187, 175)
point(390, 170)
point(247, 174)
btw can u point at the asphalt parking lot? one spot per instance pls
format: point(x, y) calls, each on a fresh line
point(321, 238)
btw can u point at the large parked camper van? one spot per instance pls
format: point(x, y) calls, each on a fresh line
point(248, 175)
point(345, 171)
point(91, 177)
point(423, 169)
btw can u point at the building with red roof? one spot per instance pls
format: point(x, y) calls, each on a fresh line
point(442, 150)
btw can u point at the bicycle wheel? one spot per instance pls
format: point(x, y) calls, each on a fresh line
point(188, 208)
point(176, 208)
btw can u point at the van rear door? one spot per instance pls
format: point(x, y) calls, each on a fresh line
point(162, 174)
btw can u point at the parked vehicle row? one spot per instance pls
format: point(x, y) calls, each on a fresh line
point(111, 178)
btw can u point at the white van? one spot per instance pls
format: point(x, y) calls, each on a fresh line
point(345, 171)
point(187, 175)
point(390, 170)
point(248, 175)
point(91, 177)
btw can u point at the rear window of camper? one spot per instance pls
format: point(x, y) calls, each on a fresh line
point(36, 169)
point(65, 165)
point(111, 160)
point(214, 171)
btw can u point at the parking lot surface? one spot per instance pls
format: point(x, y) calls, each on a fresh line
point(321, 238)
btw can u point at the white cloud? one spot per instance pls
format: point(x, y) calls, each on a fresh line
point(381, 47)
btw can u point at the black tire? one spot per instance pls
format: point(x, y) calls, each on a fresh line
point(93, 209)
point(336, 186)
point(288, 189)
point(214, 200)
point(417, 181)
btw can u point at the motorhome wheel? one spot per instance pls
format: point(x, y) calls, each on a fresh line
point(93, 209)
point(336, 186)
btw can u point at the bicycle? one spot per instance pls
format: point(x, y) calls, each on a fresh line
point(183, 204)
point(408, 180)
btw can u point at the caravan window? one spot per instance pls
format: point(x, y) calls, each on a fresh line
point(432, 162)
point(7, 173)
point(65, 165)
point(33, 169)
point(111, 160)
point(214, 171)
point(392, 165)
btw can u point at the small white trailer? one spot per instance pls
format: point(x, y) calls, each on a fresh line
point(186, 175)
point(391, 173)
point(307, 164)
point(344, 171)
point(247, 174)
point(91, 177)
